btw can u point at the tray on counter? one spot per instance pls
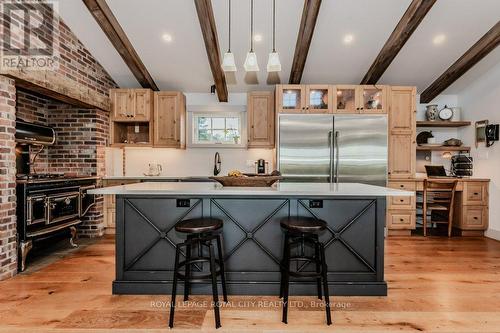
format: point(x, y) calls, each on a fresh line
point(245, 181)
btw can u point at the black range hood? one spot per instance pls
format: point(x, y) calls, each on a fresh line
point(34, 134)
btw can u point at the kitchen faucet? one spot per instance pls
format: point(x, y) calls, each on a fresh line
point(217, 164)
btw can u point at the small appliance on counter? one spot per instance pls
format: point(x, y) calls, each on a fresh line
point(261, 166)
point(154, 170)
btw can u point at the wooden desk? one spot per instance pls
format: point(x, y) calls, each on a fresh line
point(471, 206)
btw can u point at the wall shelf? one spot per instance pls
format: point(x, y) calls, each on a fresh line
point(441, 123)
point(442, 148)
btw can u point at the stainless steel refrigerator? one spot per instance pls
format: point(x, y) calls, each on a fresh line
point(333, 148)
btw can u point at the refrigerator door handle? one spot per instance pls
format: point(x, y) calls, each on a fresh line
point(330, 139)
point(337, 153)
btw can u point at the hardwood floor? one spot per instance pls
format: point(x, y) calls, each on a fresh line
point(435, 284)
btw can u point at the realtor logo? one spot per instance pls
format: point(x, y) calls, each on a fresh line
point(30, 35)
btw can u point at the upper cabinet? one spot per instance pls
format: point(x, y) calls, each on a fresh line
point(319, 98)
point(260, 124)
point(297, 98)
point(346, 100)
point(361, 99)
point(290, 98)
point(169, 119)
point(134, 105)
point(402, 132)
point(331, 99)
point(402, 115)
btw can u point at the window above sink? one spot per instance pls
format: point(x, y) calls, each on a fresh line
point(217, 129)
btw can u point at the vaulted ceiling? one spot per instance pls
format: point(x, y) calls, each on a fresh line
point(182, 64)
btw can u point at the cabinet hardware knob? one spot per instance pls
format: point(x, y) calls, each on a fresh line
point(401, 186)
point(475, 193)
point(401, 220)
point(475, 217)
point(401, 200)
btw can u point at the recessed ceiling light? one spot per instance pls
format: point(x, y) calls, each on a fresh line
point(257, 38)
point(348, 39)
point(439, 39)
point(167, 38)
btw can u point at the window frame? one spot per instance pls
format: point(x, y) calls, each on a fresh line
point(192, 128)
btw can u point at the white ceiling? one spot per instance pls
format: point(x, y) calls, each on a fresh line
point(183, 65)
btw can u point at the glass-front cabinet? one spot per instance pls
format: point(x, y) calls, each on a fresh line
point(360, 99)
point(373, 99)
point(319, 99)
point(346, 101)
point(291, 98)
point(323, 98)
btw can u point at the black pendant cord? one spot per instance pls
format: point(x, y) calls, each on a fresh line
point(229, 49)
point(274, 26)
point(251, 26)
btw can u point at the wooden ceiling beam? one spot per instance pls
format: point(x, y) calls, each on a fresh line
point(307, 24)
point(478, 51)
point(109, 24)
point(414, 14)
point(209, 31)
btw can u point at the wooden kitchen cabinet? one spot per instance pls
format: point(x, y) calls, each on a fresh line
point(261, 119)
point(401, 156)
point(368, 99)
point(169, 119)
point(402, 132)
point(346, 99)
point(402, 110)
point(319, 98)
point(290, 98)
point(131, 105)
point(475, 193)
point(372, 99)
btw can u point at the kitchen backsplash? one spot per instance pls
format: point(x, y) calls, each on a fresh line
point(177, 162)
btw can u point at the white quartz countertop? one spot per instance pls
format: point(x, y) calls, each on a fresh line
point(279, 189)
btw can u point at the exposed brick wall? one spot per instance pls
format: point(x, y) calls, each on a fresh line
point(81, 138)
point(8, 246)
point(75, 61)
point(81, 134)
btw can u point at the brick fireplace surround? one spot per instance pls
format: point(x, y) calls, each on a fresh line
point(81, 136)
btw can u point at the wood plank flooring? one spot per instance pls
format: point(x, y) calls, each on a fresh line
point(435, 285)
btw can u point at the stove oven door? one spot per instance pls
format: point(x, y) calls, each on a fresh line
point(36, 209)
point(63, 207)
point(86, 200)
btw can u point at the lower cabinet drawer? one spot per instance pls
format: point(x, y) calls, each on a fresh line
point(404, 219)
point(475, 193)
point(401, 203)
point(474, 218)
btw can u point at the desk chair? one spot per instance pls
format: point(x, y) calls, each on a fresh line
point(439, 195)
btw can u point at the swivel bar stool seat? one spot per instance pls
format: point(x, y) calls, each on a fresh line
point(201, 232)
point(302, 230)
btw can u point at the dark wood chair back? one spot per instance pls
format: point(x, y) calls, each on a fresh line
point(439, 195)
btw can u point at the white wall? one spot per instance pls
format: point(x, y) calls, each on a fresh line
point(481, 101)
point(192, 161)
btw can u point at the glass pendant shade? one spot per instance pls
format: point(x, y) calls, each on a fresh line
point(273, 63)
point(251, 64)
point(228, 64)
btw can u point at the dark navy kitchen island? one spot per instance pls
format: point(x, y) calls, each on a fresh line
point(146, 214)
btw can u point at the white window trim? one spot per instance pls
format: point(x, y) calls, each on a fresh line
point(211, 112)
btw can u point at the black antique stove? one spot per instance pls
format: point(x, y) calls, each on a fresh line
point(47, 203)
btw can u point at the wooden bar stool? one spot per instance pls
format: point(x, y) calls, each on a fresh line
point(201, 232)
point(300, 231)
point(439, 195)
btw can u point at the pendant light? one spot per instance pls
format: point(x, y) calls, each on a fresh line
point(273, 63)
point(251, 64)
point(228, 64)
